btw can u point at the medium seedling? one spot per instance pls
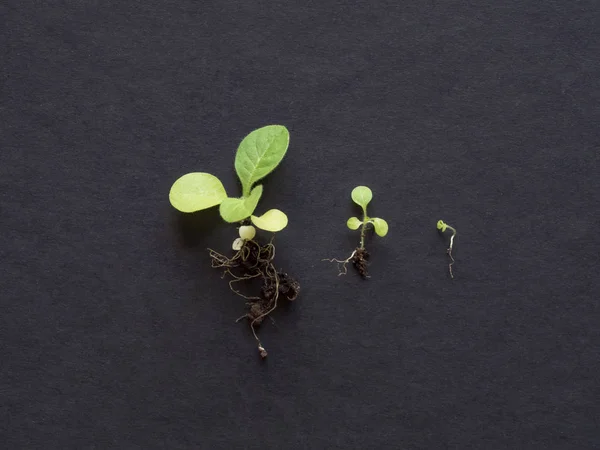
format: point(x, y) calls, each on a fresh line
point(442, 227)
point(361, 195)
point(259, 154)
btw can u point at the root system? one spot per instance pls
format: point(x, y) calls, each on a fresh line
point(358, 258)
point(254, 261)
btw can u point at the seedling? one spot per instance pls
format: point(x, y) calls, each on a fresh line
point(361, 195)
point(442, 227)
point(258, 155)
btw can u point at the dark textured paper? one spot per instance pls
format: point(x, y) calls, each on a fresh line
point(116, 333)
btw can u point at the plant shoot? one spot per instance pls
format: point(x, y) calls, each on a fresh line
point(259, 154)
point(362, 196)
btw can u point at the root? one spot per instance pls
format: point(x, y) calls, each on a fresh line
point(254, 261)
point(449, 251)
point(237, 279)
point(263, 315)
point(442, 227)
point(358, 257)
point(343, 269)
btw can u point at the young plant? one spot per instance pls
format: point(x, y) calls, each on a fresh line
point(442, 227)
point(258, 155)
point(361, 195)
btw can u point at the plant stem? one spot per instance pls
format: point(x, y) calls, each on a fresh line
point(363, 229)
point(451, 237)
point(362, 235)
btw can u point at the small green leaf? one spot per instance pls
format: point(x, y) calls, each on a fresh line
point(196, 191)
point(362, 195)
point(259, 153)
point(237, 209)
point(353, 223)
point(273, 220)
point(381, 226)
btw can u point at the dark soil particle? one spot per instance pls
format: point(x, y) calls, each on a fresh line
point(288, 289)
point(360, 261)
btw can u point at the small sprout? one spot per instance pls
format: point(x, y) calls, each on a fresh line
point(362, 196)
point(442, 227)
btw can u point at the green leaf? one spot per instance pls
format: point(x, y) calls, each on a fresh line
point(381, 226)
point(362, 195)
point(353, 223)
point(196, 191)
point(238, 209)
point(273, 220)
point(259, 153)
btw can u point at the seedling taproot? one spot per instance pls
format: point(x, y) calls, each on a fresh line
point(259, 154)
point(362, 196)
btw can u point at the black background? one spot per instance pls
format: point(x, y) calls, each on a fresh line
point(116, 333)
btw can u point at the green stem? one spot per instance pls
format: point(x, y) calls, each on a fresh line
point(362, 236)
point(363, 229)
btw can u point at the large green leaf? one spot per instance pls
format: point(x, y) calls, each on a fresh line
point(238, 209)
point(273, 220)
point(259, 153)
point(196, 191)
point(362, 195)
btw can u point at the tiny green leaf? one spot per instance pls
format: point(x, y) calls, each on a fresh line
point(196, 191)
point(259, 153)
point(353, 223)
point(273, 220)
point(381, 226)
point(362, 195)
point(237, 209)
